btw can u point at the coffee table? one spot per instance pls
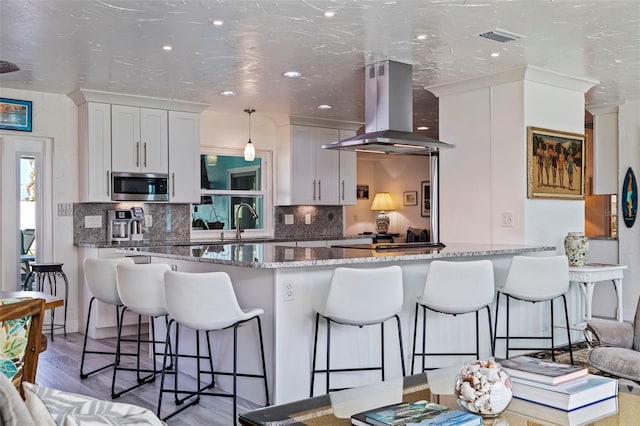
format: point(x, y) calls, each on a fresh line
point(335, 409)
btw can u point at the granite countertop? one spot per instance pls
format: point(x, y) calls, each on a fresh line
point(274, 255)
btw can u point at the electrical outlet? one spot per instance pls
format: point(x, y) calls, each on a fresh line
point(307, 219)
point(93, 221)
point(65, 209)
point(288, 292)
point(507, 220)
point(288, 219)
point(148, 220)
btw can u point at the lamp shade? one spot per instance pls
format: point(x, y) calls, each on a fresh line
point(382, 201)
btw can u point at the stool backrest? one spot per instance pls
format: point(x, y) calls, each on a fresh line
point(365, 296)
point(141, 287)
point(537, 278)
point(100, 277)
point(459, 287)
point(201, 301)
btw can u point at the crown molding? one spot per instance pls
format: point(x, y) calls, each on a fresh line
point(81, 96)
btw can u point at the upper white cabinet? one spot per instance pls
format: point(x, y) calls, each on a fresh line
point(348, 172)
point(94, 136)
point(307, 174)
point(139, 138)
point(184, 157)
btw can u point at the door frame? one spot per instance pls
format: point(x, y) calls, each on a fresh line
point(11, 149)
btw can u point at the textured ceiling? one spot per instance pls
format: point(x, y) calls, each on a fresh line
point(116, 46)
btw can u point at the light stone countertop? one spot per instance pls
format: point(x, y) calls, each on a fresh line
point(275, 255)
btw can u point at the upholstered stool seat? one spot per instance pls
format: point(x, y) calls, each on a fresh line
point(360, 297)
point(455, 288)
point(535, 279)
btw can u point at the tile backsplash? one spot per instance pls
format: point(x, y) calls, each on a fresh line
point(324, 222)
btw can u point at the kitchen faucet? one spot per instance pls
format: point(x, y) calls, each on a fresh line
point(235, 217)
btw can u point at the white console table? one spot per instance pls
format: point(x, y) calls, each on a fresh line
point(591, 273)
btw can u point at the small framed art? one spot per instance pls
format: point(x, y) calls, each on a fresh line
point(15, 114)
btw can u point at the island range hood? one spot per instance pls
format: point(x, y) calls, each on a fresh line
point(389, 115)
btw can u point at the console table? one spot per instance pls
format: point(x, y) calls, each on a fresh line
point(592, 273)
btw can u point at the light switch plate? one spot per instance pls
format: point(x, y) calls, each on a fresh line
point(288, 219)
point(93, 221)
point(307, 218)
point(148, 220)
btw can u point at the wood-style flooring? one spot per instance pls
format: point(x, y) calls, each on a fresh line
point(59, 368)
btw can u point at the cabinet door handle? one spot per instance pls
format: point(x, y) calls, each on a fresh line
point(319, 190)
point(137, 154)
point(108, 183)
point(314, 190)
point(173, 184)
point(343, 190)
point(145, 154)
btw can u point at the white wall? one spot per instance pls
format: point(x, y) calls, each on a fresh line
point(223, 130)
point(395, 175)
point(55, 116)
point(629, 238)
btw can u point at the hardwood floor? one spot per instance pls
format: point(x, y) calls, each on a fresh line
point(59, 368)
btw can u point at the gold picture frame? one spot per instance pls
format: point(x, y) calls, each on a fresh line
point(555, 164)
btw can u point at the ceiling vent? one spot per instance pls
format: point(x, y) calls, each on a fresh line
point(6, 67)
point(500, 36)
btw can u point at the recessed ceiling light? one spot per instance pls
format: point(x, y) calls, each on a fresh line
point(329, 13)
point(217, 22)
point(422, 128)
point(421, 37)
point(167, 47)
point(325, 106)
point(228, 93)
point(495, 54)
point(292, 74)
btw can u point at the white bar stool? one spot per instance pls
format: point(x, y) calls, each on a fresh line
point(141, 289)
point(360, 297)
point(455, 288)
point(100, 278)
point(205, 302)
point(535, 279)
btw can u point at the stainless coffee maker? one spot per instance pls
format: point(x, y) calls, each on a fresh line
point(125, 225)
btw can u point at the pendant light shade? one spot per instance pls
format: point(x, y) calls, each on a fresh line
point(249, 149)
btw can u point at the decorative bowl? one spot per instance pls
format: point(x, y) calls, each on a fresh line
point(483, 388)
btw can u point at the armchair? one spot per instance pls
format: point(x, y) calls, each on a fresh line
point(619, 354)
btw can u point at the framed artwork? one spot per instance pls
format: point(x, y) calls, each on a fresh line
point(363, 192)
point(426, 198)
point(555, 164)
point(410, 198)
point(15, 114)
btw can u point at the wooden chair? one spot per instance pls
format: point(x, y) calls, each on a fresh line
point(21, 321)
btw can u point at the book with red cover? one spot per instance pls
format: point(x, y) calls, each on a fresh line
point(537, 370)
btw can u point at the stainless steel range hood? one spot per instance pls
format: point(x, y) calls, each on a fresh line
point(389, 115)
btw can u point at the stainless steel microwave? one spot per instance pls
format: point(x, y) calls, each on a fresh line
point(139, 186)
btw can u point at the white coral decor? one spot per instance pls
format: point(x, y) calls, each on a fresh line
point(483, 387)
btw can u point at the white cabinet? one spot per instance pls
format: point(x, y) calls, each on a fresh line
point(308, 174)
point(348, 172)
point(94, 140)
point(184, 157)
point(139, 138)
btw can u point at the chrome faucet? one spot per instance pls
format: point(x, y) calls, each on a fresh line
point(235, 217)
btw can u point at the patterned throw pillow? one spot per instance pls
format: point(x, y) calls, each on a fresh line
point(14, 336)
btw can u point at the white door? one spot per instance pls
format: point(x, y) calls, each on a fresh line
point(35, 155)
point(125, 139)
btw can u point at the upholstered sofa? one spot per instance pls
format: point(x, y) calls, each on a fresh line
point(619, 353)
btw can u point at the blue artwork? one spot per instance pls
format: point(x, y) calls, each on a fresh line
point(629, 200)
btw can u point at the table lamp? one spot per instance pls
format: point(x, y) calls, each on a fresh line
point(382, 201)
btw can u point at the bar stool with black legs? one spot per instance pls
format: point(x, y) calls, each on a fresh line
point(206, 302)
point(100, 278)
point(48, 273)
point(535, 279)
point(455, 288)
point(141, 289)
point(360, 297)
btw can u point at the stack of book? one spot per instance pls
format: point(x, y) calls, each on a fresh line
point(570, 392)
point(420, 413)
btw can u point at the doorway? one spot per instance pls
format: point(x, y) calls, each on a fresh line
point(27, 215)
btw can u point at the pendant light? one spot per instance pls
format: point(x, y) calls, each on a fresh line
point(249, 149)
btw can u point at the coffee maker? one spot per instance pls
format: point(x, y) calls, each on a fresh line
point(125, 225)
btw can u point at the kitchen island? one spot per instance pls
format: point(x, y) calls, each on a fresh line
point(289, 281)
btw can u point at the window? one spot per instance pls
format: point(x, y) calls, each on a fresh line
point(228, 182)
